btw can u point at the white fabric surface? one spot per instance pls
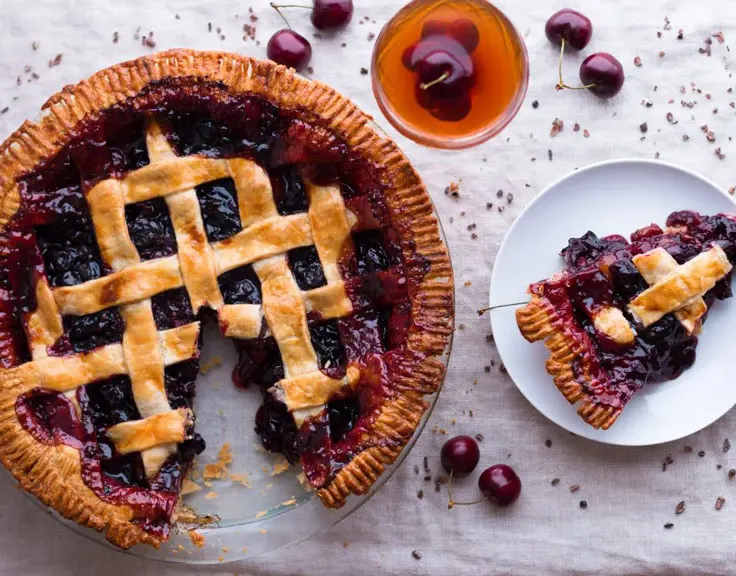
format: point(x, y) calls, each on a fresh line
point(629, 497)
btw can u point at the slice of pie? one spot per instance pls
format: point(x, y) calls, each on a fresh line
point(188, 186)
point(622, 315)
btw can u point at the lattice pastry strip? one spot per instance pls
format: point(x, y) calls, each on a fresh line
point(684, 286)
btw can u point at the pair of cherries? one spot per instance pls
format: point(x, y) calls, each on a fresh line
point(291, 49)
point(499, 484)
point(600, 73)
point(444, 69)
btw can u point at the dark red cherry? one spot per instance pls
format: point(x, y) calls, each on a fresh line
point(463, 30)
point(445, 109)
point(290, 49)
point(570, 25)
point(500, 484)
point(331, 13)
point(444, 76)
point(603, 74)
point(407, 56)
point(460, 455)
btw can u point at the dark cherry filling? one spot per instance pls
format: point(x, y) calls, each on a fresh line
point(600, 272)
point(240, 286)
point(218, 201)
point(306, 267)
point(172, 309)
point(150, 228)
point(203, 120)
point(288, 190)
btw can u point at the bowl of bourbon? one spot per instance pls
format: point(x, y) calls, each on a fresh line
point(450, 73)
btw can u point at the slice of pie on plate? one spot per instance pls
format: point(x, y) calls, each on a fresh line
point(190, 185)
point(625, 314)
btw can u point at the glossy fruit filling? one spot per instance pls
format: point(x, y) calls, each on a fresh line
point(601, 272)
point(52, 236)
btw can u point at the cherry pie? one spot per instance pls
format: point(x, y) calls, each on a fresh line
point(623, 315)
point(186, 186)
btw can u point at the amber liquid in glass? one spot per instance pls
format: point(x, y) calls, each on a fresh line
point(500, 71)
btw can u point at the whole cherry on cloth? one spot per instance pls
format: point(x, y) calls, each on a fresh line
point(569, 27)
point(460, 455)
point(602, 74)
point(500, 484)
point(325, 13)
point(290, 49)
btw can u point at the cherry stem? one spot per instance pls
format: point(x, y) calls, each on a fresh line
point(277, 8)
point(561, 84)
point(274, 5)
point(484, 310)
point(451, 503)
point(428, 85)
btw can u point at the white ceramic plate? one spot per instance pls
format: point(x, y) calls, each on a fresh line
point(614, 197)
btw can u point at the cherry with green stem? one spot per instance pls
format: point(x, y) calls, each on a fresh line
point(289, 48)
point(325, 13)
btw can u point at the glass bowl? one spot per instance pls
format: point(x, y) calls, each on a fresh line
point(389, 79)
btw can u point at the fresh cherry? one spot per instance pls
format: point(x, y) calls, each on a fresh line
point(602, 74)
point(460, 455)
point(290, 49)
point(569, 26)
point(325, 13)
point(442, 75)
point(500, 484)
point(331, 13)
point(463, 30)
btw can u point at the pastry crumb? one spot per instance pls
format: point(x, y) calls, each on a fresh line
point(210, 364)
point(196, 538)
point(211, 495)
point(289, 502)
point(261, 514)
point(188, 487)
point(262, 531)
point(240, 479)
point(281, 466)
point(219, 469)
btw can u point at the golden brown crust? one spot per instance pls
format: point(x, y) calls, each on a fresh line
point(539, 321)
point(52, 472)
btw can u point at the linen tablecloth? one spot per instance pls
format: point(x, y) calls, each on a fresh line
point(629, 496)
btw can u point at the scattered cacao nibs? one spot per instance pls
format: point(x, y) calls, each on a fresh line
point(416, 469)
point(680, 34)
point(557, 127)
point(428, 478)
point(576, 127)
point(732, 190)
point(535, 104)
point(574, 488)
point(548, 443)
point(56, 61)
point(586, 134)
point(669, 526)
point(555, 481)
point(137, 33)
point(549, 155)
point(149, 42)
point(343, 45)
point(420, 494)
point(644, 127)
point(425, 464)
point(701, 453)
point(720, 37)
point(583, 504)
point(509, 198)
point(489, 340)
point(718, 466)
point(115, 37)
point(499, 193)
point(688, 449)
point(34, 45)
point(479, 437)
point(671, 118)
point(711, 137)
point(487, 369)
point(4, 110)
point(685, 137)
point(680, 508)
point(726, 445)
point(489, 205)
point(177, 17)
point(661, 53)
point(437, 486)
point(364, 71)
point(720, 501)
point(502, 369)
point(453, 189)
point(719, 154)
point(209, 26)
point(34, 76)
point(310, 69)
point(371, 36)
point(659, 34)
point(18, 81)
point(416, 554)
point(637, 62)
point(687, 104)
point(732, 473)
